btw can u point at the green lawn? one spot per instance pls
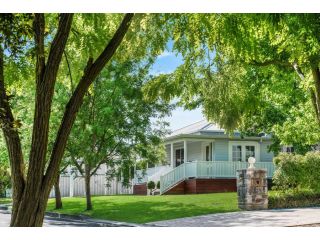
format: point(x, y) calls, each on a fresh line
point(142, 209)
point(5, 200)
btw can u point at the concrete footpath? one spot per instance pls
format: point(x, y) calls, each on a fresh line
point(266, 218)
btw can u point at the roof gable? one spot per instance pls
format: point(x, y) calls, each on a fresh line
point(197, 127)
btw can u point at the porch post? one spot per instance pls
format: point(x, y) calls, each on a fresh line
point(171, 155)
point(185, 150)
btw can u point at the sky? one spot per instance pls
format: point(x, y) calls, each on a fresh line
point(167, 62)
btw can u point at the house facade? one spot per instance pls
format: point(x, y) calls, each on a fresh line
point(202, 158)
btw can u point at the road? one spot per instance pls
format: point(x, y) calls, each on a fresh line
point(50, 222)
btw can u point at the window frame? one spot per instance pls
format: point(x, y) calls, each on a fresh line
point(243, 145)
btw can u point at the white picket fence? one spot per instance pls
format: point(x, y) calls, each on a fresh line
point(71, 186)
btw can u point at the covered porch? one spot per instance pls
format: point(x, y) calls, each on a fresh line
point(188, 150)
point(207, 170)
point(208, 158)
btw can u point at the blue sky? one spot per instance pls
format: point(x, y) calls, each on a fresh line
point(167, 62)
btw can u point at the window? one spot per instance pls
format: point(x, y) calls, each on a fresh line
point(236, 153)
point(288, 149)
point(179, 156)
point(207, 153)
point(250, 152)
point(240, 151)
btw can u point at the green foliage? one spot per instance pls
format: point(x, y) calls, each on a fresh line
point(115, 127)
point(297, 171)
point(293, 199)
point(151, 185)
point(300, 129)
point(158, 185)
point(247, 71)
point(5, 179)
point(290, 172)
point(124, 76)
point(312, 168)
point(15, 31)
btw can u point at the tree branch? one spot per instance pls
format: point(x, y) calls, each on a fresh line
point(39, 26)
point(298, 70)
point(12, 141)
point(77, 98)
point(316, 79)
point(270, 62)
point(314, 103)
point(69, 69)
point(78, 166)
point(46, 77)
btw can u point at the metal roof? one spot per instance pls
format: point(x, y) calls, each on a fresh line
point(205, 129)
point(193, 128)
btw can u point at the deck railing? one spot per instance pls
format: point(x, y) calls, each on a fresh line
point(205, 169)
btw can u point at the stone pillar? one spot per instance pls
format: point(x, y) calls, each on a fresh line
point(252, 188)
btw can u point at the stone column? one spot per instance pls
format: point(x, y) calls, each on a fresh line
point(252, 189)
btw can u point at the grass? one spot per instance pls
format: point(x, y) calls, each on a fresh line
point(143, 209)
point(5, 200)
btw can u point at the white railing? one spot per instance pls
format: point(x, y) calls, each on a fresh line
point(173, 177)
point(205, 169)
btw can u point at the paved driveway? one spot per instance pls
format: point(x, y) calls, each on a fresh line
point(268, 218)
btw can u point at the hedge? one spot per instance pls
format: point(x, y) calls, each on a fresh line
point(297, 171)
point(293, 199)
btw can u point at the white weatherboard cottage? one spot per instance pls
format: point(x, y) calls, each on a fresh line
point(204, 151)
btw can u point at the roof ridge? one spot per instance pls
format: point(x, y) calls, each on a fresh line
point(189, 125)
point(206, 126)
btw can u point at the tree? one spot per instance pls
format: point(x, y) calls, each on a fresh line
point(114, 125)
point(31, 190)
point(57, 49)
point(232, 61)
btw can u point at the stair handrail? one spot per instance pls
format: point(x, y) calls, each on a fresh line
point(163, 184)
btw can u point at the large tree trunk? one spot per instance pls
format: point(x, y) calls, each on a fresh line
point(57, 193)
point(31, 191)
point(87, 179)
point(31, 207)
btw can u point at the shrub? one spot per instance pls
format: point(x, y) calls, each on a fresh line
point(151, 185)
point(293, 199)
point(5, 180)
point(297, 171)
point(290, 172)
point(158, 185)
point(312, 170)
